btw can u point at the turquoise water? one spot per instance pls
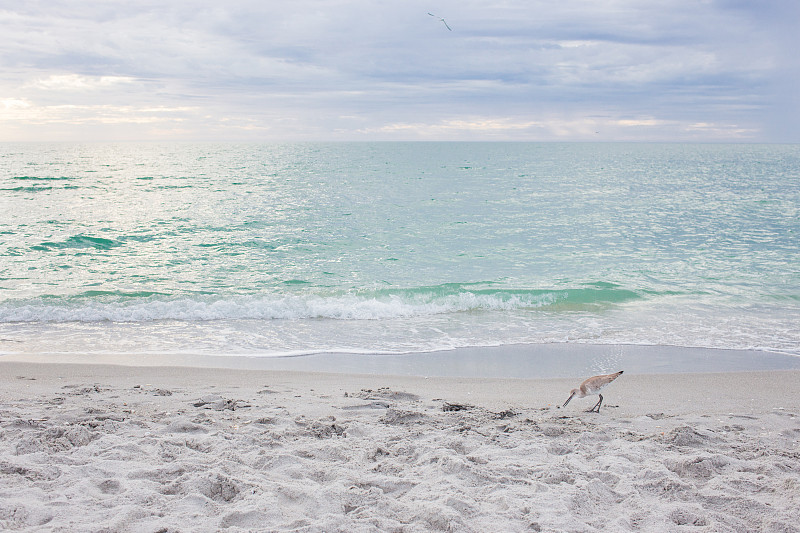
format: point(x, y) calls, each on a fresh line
point(396, 247)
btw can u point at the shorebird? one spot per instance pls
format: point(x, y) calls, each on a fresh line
point(444, 21)
point(593, 386)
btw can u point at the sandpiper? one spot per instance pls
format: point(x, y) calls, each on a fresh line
point(593, 386)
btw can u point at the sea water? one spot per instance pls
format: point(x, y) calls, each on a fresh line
point(386, 248)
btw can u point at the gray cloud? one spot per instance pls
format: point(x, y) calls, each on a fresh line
point(681, 70)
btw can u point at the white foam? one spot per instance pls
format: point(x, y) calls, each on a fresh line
point(293, 325)
point(346, 307)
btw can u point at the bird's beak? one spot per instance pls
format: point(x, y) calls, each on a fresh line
point(568, 399)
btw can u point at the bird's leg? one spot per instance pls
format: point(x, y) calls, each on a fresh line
point(596, 408)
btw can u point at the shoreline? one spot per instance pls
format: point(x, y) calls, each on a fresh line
point(527, 361)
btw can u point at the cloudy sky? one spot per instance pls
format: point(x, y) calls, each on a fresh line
point(268, 70)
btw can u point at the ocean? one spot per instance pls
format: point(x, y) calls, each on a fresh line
point(270, 250)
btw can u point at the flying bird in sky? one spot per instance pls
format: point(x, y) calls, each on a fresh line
point(444, 21)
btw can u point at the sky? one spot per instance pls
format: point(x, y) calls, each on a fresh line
point(329, 70)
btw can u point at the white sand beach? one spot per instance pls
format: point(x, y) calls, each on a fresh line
point(87, 447)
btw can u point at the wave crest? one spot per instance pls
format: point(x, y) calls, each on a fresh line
point(97, 306)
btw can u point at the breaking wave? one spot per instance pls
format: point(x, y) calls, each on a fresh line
point(96, 306)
